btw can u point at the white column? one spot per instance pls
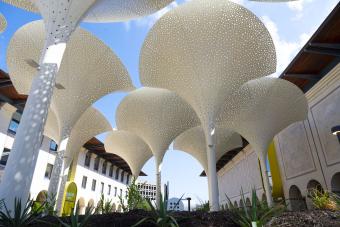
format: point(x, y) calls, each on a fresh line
point(266, 184)
point(212, 174)
point(158, 181)
point(21, 162)
point(6, 113)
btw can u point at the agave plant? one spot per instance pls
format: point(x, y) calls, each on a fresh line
point(257, 214)
point(160, 216)
point(104, 206)
point(21, 216)
point(74, 219)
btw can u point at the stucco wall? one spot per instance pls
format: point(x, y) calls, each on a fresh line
point(305, 150)
point(242, 172)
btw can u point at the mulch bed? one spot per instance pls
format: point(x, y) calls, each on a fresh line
point(315, 218)
point(185, 219)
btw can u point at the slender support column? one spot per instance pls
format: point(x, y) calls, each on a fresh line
point(20, 166)
point(265, 178)
point(158, 181)
point(212, 174)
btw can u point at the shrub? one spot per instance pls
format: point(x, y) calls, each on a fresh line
point(134, 198)
point(324, 200)
point(21, 217)
point(104, 206)
point(257, 212)
point(203, 206)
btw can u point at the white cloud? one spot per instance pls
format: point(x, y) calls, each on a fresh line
point(285, 50)
point(298, 6)
point(149, 21)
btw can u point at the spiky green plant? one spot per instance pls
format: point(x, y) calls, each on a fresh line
point(258, 212)
point(160, 216)
point(203, 206)
point(324, 200)
point(75, 220)
point(21, 216)
point(104, 206)
point(133, 198)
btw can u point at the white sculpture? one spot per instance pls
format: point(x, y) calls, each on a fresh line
point(204, 51)
point(157, 116)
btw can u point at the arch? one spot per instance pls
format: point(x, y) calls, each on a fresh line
point(113, 207)
point(90, 204)
point(81, 205)
point(248, 203)
point(335, 183)
point(314, 185)
point(42, 196)
point(69, 198)
point(235, 204)
point(297, 202)
point(88, 159)
point(119, 209)
point(264, 197)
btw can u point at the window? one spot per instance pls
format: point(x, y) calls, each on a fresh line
point(111, 171)
point(53, 146)
point(83, 182)
point(87, 159)
point(13, 126)
point(127, 179)
point(122, 177)
point(96, 163)
point(48, 170)
point(117, 174)
point(109, 190)
point(94, 184)
point(121, 192)
point(102, 188)
point(104, 167)
point(4, 156)
point(115, 191)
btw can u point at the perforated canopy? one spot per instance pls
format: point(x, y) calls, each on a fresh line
point(89, 70)
point(204, 50)
point(262, 108)
point(130, 147)
point(193, 142)
point(101, 11)
point(3, 23)
point(157, 116)
point(90, 124)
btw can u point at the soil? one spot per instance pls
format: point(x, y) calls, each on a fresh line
point(316, 218)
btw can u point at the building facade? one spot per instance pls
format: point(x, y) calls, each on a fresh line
point(91, 175)
point(147, 190)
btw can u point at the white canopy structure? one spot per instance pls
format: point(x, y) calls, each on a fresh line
point(157, 116)
point(3, 23)
point(89, 70)
point(130, 147)
point(99, 71)
point(90, 124)
point(61, 18)
point(192, 141)
point(204, 51)
point(261, 109)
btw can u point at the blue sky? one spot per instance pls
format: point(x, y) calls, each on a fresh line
point(290, 24)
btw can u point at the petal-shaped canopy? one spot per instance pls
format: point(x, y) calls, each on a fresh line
point(193, 142)
point(52, 129)
point(262, 108)
point(90, 124)
point(3, 23)
point(101, 10)
point(130, 147)
point(89, 70)
point(156, 115)
point(204, 50)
